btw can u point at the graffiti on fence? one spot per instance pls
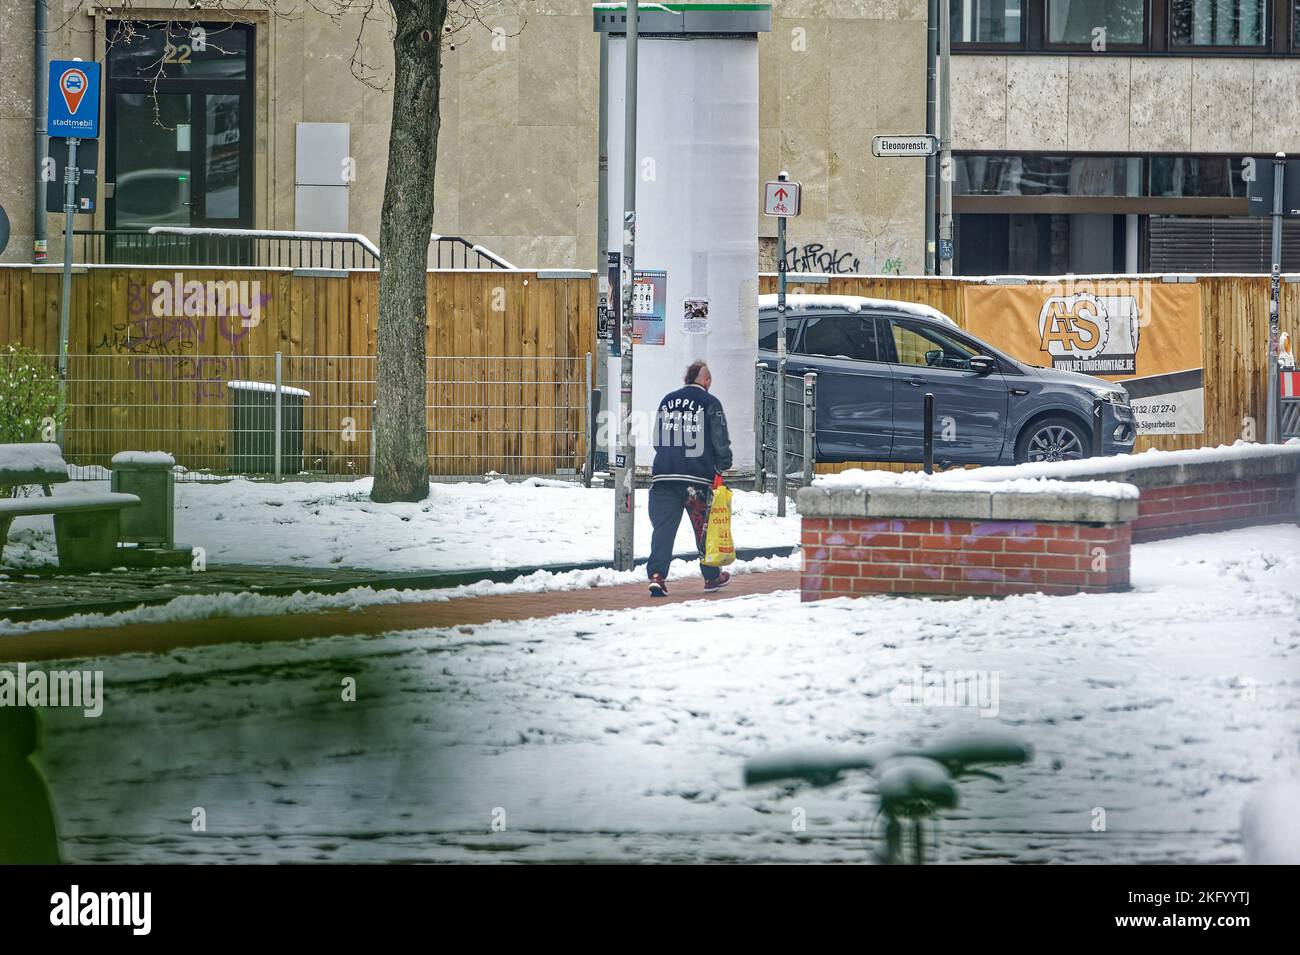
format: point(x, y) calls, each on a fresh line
point(172, 318)
point(203, 377)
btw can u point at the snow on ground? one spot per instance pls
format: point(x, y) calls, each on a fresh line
point(1155, 716)
point(248, 604)
point(1269, 827)
point(492, 525)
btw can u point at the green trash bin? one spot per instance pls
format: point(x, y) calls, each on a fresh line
point(252, 427)
point(149, 476)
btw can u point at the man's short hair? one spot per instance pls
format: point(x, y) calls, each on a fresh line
point(693, 370)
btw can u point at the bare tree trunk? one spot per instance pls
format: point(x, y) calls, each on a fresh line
point(401, 449)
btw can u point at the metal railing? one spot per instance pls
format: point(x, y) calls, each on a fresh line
point(216, 414)
point(800, 396)
point(175, 245)
point(166, 245)
point(447, 248)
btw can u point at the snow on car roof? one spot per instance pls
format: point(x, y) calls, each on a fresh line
point(854, 303)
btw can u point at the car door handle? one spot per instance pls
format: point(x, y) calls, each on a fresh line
point(915, 381)
point(1019, 392)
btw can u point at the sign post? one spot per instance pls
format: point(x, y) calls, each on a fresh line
point(625, 453)
point(1274, 298)
point(781, 200)
point(946, 250)
point(605, 335)
point(73, 115)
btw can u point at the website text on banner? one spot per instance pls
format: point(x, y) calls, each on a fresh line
point(1146, 335)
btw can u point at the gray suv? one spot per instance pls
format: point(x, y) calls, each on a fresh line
point(875, 360)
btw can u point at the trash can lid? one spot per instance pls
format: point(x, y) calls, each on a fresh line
point(266, 386)
point(140, 460)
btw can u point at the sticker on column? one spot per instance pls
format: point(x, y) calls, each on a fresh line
point(695, 316)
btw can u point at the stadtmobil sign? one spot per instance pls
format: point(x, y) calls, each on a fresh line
point(1144, 334)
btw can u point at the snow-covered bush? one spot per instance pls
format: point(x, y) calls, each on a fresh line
point(29, 396)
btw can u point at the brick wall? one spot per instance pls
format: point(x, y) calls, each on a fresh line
point(982, 533)
point(844, 556)
point(1175, 510)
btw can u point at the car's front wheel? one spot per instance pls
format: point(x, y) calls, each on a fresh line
point(1053, 439)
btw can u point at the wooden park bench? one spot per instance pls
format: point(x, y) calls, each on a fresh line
point(85, 525)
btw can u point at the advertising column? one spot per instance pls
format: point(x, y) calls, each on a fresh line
point(696, 287)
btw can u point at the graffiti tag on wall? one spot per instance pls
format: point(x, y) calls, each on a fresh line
point(815, 257)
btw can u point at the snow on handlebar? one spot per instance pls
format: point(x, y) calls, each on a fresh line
point(956, 754)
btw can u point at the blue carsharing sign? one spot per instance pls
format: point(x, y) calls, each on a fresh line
point(74, 99)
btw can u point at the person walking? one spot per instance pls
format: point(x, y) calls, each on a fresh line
point(692, 448)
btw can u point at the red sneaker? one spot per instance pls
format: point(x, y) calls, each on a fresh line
point(718, 582)
point(657, 586)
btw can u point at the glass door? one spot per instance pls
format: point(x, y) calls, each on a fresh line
point(218, 162)
point(152, 178)
point(179, 139)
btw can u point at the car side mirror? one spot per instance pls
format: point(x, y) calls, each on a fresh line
point(983, 365)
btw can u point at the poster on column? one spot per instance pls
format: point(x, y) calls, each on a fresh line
point(1144, 335)
point(695, 316)
point(649, 296)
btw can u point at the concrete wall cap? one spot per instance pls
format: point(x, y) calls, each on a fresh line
point(968, 502)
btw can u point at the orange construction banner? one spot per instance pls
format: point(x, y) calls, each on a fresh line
point(1144, 334)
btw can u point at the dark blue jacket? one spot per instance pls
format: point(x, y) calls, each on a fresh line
point(690, 437)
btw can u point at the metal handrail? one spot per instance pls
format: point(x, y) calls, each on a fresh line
point(350, 238)
point(175, 245)
point(466, 248)
point(187, 245)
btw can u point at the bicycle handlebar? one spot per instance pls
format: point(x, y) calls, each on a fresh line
point(821, 768)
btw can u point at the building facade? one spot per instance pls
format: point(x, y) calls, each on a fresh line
point(1088, 135)
point(1118, 135)
point(268, 125)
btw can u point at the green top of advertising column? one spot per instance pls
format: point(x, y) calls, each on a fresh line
point(676, 19)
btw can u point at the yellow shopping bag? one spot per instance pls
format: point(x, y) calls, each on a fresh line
point(719, 551)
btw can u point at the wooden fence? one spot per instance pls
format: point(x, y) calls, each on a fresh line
point(1234, 329)
point(507, 357)
point(507, 362)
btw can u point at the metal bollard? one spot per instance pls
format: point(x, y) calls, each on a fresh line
point(279, 414)
point(928, 432)
point(593, 405)
point(809, 425)
point(760, 480)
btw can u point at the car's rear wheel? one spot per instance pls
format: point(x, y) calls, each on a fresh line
point(1053, 439)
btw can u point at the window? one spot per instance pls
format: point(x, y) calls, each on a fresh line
point(1218, 22)
point(1198, 176)
point(767, 331)
point(986, 21)
point(1098, 24)
point(917, 344)
point(177, 50)
point(841, 336)
point(1037, 175)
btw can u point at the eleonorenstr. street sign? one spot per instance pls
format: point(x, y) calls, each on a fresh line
point(920, 145)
